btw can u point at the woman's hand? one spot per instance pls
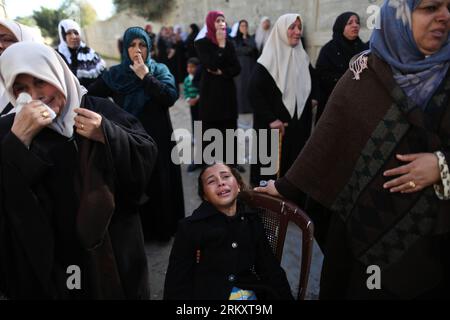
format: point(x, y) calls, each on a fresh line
point(89, 124)
point(278, 124)
point(269, 189)
point(33, 117)
point(221, 37)
point(420, 172)
point(140, 68)
point(218, 72)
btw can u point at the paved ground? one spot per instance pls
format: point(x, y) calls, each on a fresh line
point(157, 253)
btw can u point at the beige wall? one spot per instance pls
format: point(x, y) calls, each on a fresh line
point(2, 9)
point(319, 16)
point(102, 36)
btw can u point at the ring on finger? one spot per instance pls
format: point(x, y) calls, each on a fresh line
point(412, 184)
point(82, 126)
point(45, 114)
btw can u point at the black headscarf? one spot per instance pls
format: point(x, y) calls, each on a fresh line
point(239, 34)
point(195, 30)
point(349, 47)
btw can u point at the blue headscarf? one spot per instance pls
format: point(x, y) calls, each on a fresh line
point(417, 75)
point(123, 80)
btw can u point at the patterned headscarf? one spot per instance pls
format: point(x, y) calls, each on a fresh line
point(419, 76)
point(123, 80)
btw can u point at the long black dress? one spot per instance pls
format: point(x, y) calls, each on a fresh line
point(332, 63)
point(268, 106)
point(247, 54)
point(218, 103)
point(165, 206)
point(45, 214)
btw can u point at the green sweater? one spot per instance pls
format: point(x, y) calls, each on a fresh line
point(190, 91)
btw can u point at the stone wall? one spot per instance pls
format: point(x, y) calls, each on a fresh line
point(319, 16)
point(102, 36)
point(2, 9)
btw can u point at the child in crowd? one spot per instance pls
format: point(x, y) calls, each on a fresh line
point(221, 252)
point(192, 96)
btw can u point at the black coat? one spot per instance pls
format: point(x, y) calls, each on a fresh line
point(41, 195)
point(213, 253)
point(218, 93)
point(267, 103)
point(165, 206)
point(332, 63)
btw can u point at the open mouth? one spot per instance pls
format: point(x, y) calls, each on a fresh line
point(224, 193)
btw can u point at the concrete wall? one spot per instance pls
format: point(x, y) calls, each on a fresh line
point(2, 9)
point(102, 36)
point(318, 15)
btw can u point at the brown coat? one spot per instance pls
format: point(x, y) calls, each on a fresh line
point(365, 125)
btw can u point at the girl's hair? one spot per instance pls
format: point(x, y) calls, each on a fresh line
point(234, 172)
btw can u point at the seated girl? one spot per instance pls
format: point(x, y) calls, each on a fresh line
point(221, 252)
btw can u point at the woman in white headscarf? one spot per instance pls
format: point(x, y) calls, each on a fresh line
point(12, 32)
point(84, 62)
point(72, 172)
point(280, 93)
point(262, 33)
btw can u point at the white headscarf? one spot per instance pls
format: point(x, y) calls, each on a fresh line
point(93, 66)
point(262, 35)
point(288, 66)
point(234, 30)
point(67, 24)
point(202, 33)
point(22, 33)
point(43, 62)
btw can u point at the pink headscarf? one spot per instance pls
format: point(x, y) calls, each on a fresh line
point(210, 24)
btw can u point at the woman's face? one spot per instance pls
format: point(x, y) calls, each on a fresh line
point(431, 24)
point(220, 23)
point(220, 187)
point(295, 33)
point(7, 38)
point(243, 28)
point(137, 48)
point(40, 90)
point(351, 30)
point(266, 25)
point(73, 39)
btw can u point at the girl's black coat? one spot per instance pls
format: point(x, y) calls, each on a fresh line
point(213, 253)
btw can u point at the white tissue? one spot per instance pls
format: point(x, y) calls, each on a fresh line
point(25, 98)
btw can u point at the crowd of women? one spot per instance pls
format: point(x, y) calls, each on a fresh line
point(86, 172)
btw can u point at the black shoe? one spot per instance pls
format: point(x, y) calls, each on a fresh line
point(192, 167)
point(240, 168)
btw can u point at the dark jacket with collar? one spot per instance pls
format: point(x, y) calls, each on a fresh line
point(218, 92)
point(66, 202)
point(213, 253)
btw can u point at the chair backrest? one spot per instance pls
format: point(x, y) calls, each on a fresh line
point(276, 214)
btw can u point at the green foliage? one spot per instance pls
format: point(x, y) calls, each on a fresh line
point(80, 10)
point(28, 21)
point(47, 20)
point(149, 9)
